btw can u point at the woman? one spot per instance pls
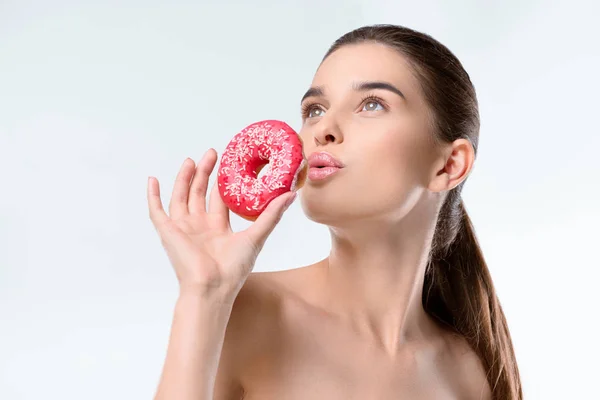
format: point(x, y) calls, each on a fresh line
point(403, 306)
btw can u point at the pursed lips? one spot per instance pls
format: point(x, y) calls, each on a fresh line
point(322, 165)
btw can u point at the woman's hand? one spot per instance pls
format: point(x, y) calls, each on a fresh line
point(206, 254)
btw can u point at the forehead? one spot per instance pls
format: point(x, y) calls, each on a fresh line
point(366, 62)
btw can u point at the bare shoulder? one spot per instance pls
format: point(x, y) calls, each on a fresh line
point(259, 306)
point(465, 370)
point(252, 331)
point(255, 311)
point(265, 293)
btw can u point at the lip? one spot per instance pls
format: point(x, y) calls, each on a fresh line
point(323, 159)
point(322, 165)
point(317, 174)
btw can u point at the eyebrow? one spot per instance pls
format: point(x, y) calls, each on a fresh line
point(317, 91)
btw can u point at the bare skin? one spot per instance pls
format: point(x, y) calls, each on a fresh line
point(287, 345)
point(353, 326)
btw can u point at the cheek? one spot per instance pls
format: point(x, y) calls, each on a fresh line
point(396, 184)
point(397, 156)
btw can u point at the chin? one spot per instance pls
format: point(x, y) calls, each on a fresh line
point(335, 208)
point(323, 209)
point(333, 211)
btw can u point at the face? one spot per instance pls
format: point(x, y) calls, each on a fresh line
point(380, 133)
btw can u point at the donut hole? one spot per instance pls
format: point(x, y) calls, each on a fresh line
point(262, 170)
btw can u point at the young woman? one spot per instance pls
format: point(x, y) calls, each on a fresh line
point(404, 306)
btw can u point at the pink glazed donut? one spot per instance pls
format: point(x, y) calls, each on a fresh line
point(268, 142)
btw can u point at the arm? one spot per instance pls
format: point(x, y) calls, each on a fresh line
point(195, 345)
point(211, 263)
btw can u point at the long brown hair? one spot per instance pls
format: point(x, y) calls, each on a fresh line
point(458, 289)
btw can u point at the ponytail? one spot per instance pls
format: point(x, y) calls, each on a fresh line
point(458, 291)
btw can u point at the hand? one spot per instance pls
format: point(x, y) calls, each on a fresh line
point(202, 248)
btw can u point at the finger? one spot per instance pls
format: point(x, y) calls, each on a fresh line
point(178, 205)
point(198, 187)
point(260, 230)
point(216, 206)
point(155, 207)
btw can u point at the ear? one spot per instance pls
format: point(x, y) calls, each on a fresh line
point(453, 166)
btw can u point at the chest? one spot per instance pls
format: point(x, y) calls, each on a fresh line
point(317, 380)
point(319, 360)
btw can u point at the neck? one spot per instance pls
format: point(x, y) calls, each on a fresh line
point(374, 276)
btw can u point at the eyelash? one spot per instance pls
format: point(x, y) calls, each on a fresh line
point(307, 108)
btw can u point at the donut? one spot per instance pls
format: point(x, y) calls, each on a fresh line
point(268, 142)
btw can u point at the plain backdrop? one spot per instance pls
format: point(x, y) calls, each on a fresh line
point(95, 96)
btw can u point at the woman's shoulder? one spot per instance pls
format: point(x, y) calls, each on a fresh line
point(262, 303)
point(464, 369)
point(249, 329)
point(254, 327)
point(274, 289)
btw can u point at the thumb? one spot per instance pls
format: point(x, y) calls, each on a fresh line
point(260, 230)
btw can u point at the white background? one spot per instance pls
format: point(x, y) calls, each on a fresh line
point(96, 96)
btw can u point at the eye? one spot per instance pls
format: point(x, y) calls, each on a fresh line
point(315, 112)
point(371, 103)
point(372, 106)
point(311, 110)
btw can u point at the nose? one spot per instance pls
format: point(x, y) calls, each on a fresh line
point(327, 131)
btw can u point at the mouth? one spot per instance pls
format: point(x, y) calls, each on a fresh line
point(323, 165)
